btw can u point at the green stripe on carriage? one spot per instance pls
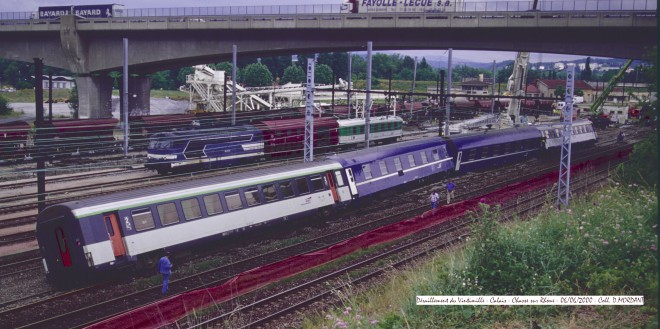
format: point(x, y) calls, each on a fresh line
point(155, 199)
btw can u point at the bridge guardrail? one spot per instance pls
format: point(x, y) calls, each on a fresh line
point(466, 6)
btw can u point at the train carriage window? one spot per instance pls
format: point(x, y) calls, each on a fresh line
point(143, 219)
point(286, 189)
point(411, 160)
point(252, 196)
point(383, 167)
point(339, 178)
point(167, 213)
point(269, 192)
point(317, 183)
point(436, 157)
point(108, 226)
point(301, 184)
point(471, 155)
point(233, 200)
point(397, 164)
point(496, 149)
point(212, 203)
point(191, 209)
point(366, 169)
point(422, 155)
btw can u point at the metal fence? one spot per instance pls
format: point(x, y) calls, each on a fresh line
point(469, 6)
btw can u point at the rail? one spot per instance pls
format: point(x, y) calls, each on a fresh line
point(466, 6)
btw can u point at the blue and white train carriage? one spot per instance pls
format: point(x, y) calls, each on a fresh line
point(80, 237)
point(389, 166)
point(92, 235)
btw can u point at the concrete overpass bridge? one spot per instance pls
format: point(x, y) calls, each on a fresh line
point(91, 47)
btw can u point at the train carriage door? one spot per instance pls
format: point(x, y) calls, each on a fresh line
point(63, 247)
point(112, 226)
point(458, 160)
point(333, 187)
point(351, 181)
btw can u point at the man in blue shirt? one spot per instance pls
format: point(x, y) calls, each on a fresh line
point(450, 191)
point(165, 268)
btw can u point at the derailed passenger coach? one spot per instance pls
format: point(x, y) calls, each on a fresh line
point(134, 227)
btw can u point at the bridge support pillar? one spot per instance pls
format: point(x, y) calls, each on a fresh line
point(94, 97)
point(139, 96)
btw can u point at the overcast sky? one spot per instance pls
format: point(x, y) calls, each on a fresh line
point(458, 55)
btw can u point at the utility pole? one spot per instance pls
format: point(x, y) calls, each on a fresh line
point(441, 98)
point(39, 103)
point(563, 187)
point(412, 92)
point(125, 100)
point(492, 102)
point(308, 150)
point(367, 101)
point(233, 83)
point(50, 95)
point(448, 101)
point(348, 89)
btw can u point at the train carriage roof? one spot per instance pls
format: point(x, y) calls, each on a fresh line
point(298, 123)
point(208, 132)
point(381, 152)
point(491, 137)
point(152, 195)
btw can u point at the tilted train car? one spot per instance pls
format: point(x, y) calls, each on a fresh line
point(394, 165)
point(496, 147)
point(82, 237)
point(88, 236)
point(583, 134)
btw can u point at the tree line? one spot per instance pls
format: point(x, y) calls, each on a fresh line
point(258, 72)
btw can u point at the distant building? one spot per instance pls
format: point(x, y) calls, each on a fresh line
point(532, 91)
point(476, 86)
point(60, 82)
point(547, 88)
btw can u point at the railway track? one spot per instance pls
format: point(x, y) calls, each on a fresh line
point(301, 294)
point(115, 297)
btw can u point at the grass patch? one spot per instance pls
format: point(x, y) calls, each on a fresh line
point(606, 245)
point(12, 114)
point(27, 95)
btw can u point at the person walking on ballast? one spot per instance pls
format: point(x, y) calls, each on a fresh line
point(165, 268)
point(434, 199)
point(450, 191)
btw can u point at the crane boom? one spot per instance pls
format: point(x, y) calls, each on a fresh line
point(610, 86)
point(515, 86)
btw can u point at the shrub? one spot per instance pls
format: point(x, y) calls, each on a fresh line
point(4, 106)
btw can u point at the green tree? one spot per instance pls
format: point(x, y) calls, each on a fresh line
point(162, 80)
point(358, 67)
point(560, 91)
point(257, 75)
point(503, 74)
point(73, 101)
point(181, 76)
point(293, 74)
point(586, 73)
point(4, 106)
point(322, 74)
point(11, 75)
point(277, 64)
